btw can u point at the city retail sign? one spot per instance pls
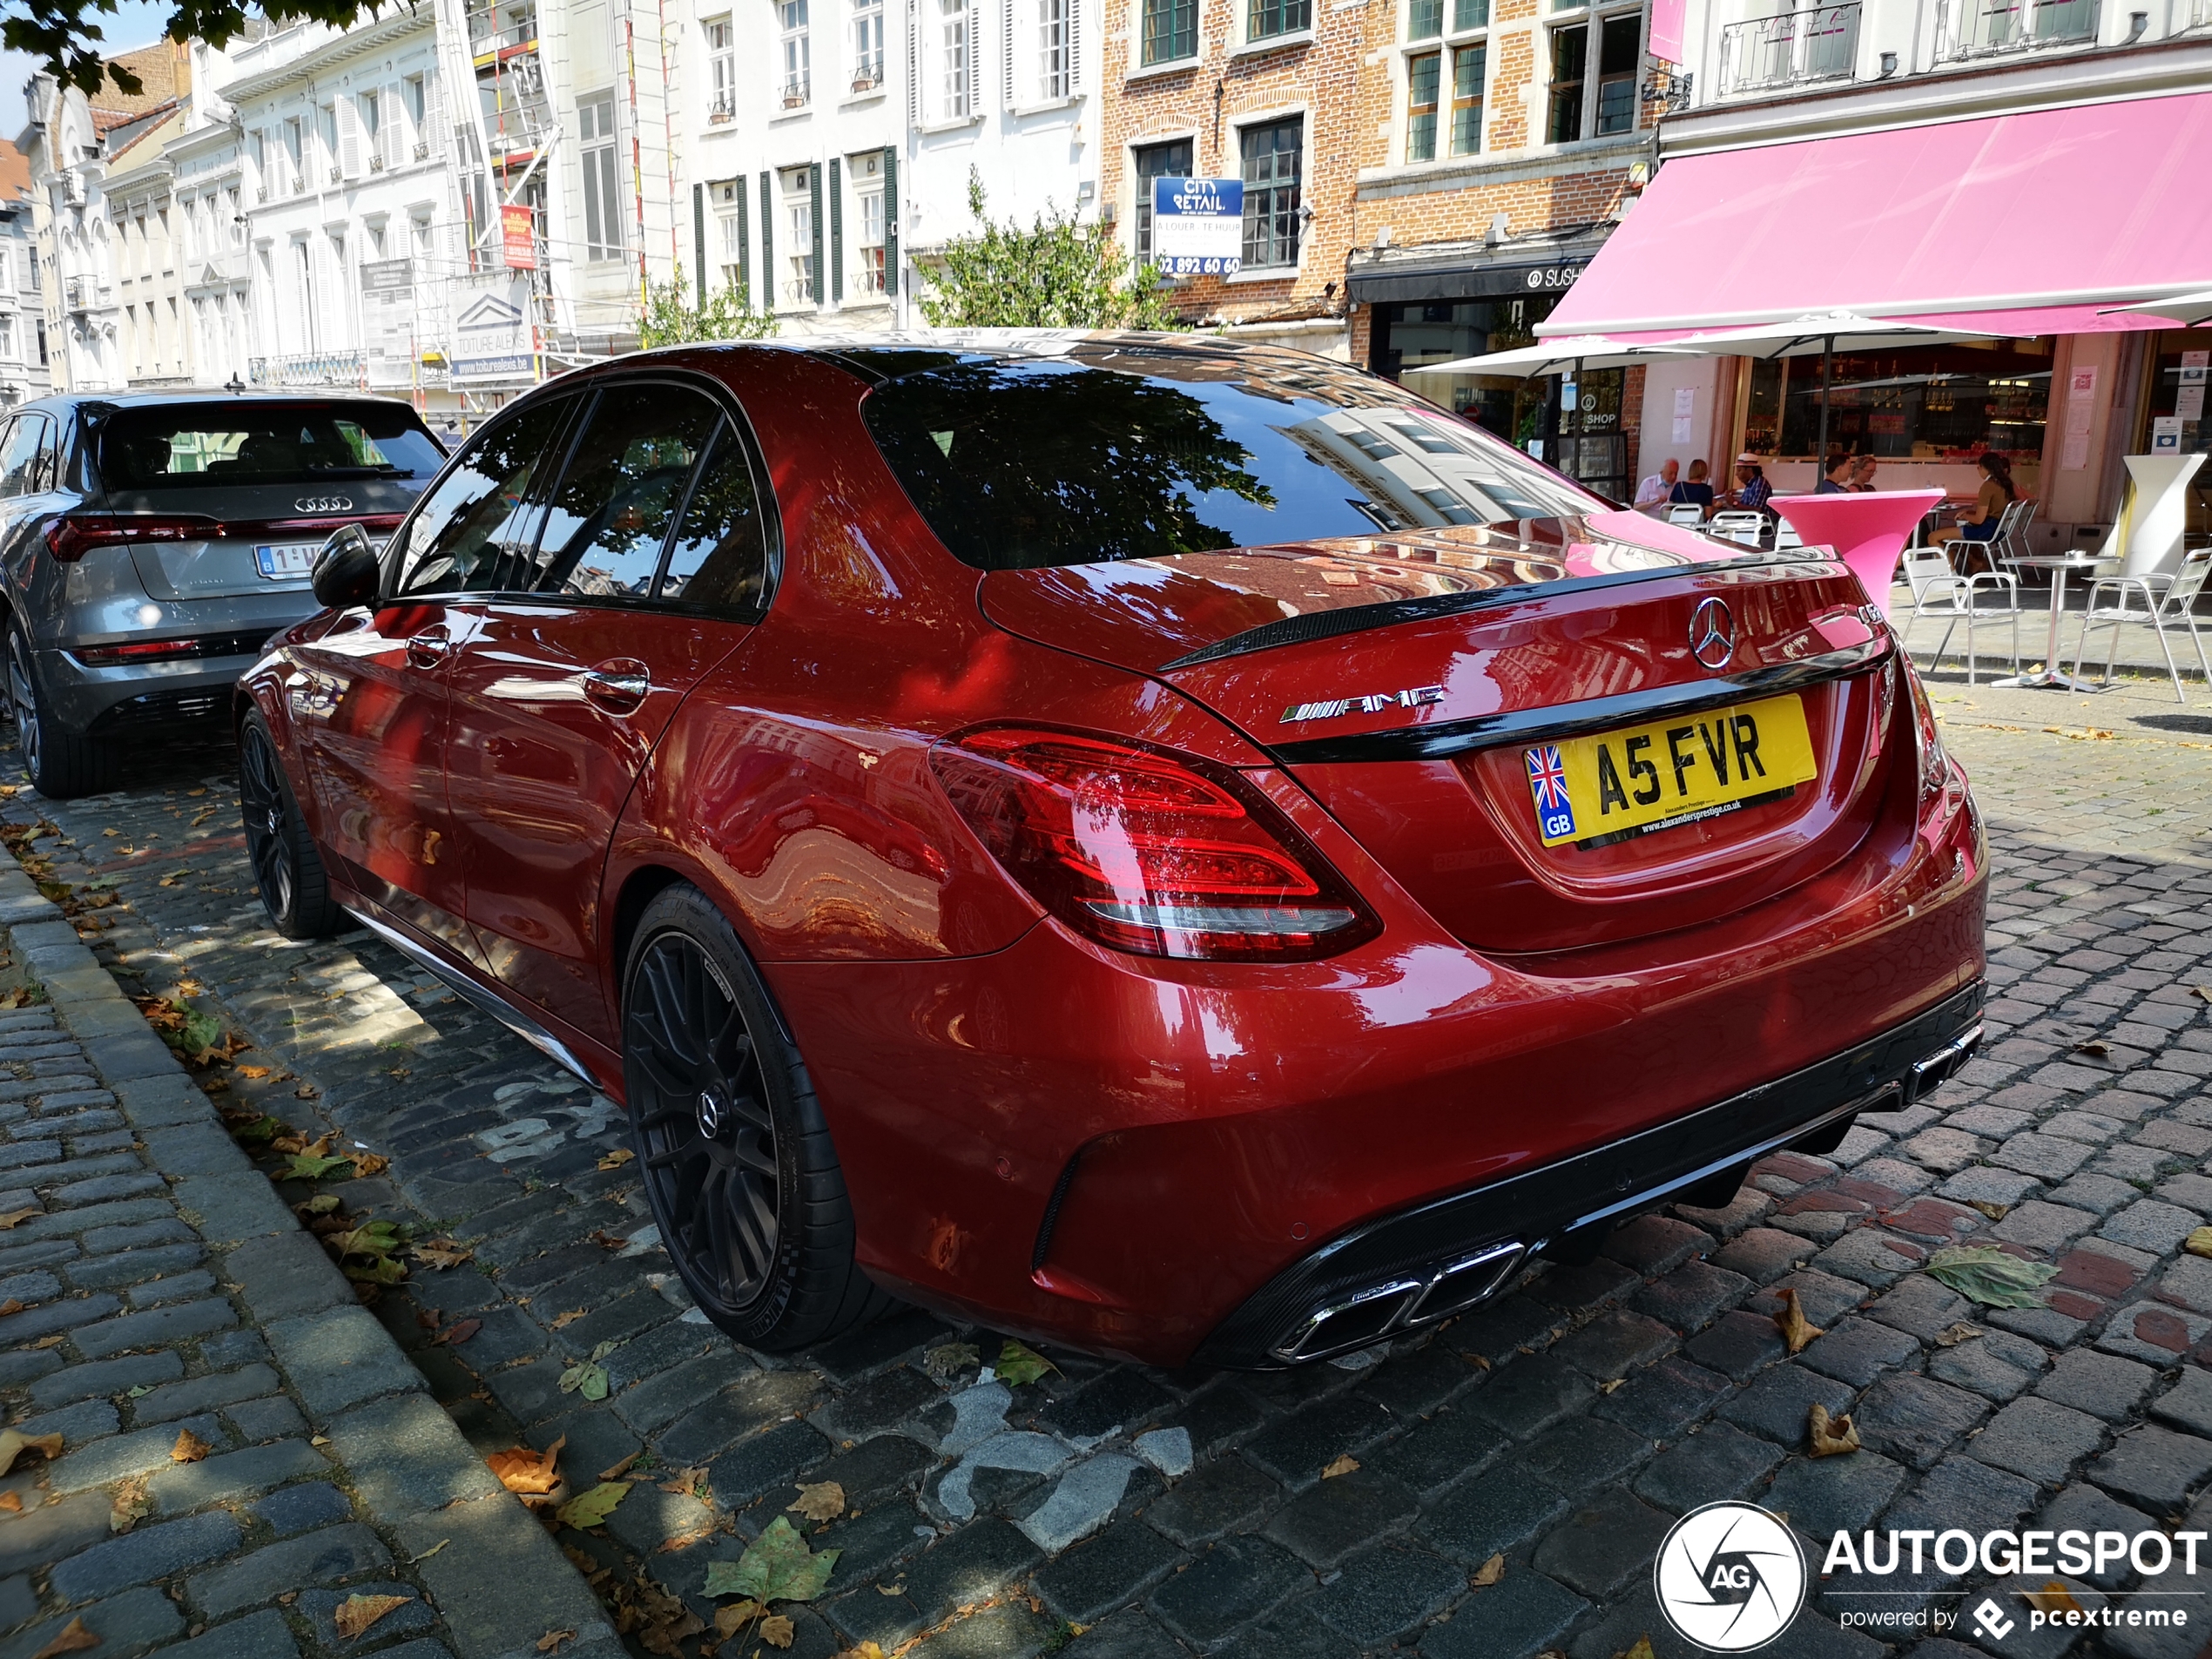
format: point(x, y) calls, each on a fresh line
point(1199, 226)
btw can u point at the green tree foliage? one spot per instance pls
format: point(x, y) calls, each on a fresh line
point(65, 35)
point(1058, 273)
point(669, 319)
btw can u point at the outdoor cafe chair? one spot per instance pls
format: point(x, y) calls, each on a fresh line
point(1747, 527)
point(1786, 537)
point(1938, 591)
point(1687, 512)
point(2166, 599)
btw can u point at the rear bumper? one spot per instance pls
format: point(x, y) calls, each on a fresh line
point(116, 701)
point(1426, 1264)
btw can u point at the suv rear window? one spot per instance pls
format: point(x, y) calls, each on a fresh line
point(1022, 463)
point(254, 442)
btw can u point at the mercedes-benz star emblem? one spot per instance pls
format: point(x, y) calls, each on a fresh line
point(710, 1114)
point(1712, 633)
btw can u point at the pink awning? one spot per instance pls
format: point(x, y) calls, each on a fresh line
point(2043, 216)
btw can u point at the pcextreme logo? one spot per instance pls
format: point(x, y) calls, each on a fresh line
point(1730, 1577)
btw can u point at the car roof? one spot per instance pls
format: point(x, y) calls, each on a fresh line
point(189, 394)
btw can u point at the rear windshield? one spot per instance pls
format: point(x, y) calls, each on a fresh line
point(1022, 464)
point(252, 443)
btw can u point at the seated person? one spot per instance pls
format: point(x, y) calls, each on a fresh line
point(1861, 476)
point(1654, 490)
point(1752, 491)
point(1696, 491)
point(1837, 480)
point(1980, 521)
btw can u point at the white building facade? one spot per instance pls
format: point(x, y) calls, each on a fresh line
point(832, 142)
point(23, 320)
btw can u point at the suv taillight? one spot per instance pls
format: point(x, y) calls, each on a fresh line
point(1156, 853)
point(71, 535)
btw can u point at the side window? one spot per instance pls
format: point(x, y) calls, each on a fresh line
point(611, 514)
point(720, 557)
point(46, 469)
point(19, 461)
point(456, 541)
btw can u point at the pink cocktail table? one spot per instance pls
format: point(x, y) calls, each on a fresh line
point(1868, 531)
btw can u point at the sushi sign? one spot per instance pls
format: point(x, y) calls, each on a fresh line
point(1197, 226)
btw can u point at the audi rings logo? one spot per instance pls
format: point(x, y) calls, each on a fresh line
point(323, 504)
point(1712, 633)
point(1730, 1577)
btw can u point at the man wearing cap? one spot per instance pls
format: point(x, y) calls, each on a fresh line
point(1752, 491)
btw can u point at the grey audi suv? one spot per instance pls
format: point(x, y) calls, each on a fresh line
point(151, 541)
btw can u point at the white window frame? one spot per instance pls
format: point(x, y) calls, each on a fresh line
point(721, 35)
point(794, 54)
point(729, 228)
point(795, 283)
point(865, 178)
point(867, 39)
point(598, 159)
point(1571, 14)
point(949, 61)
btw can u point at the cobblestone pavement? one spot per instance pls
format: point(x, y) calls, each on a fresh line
point(230, 1446)
point(1562, 1427)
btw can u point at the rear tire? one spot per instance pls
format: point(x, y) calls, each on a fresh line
point(59, 762)
point(739, 1166)
point(288, 871)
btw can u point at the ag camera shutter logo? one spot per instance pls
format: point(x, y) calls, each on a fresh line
point(1730, 1577)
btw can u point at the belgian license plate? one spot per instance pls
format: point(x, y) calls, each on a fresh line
point(1595, 791)
point(286, 559)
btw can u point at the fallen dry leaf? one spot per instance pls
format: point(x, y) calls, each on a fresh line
point(12, 1502)
point(130, 1506)
point(441, 1253)
point(1641, 1650)
point(13, 1304)
point(685, 1481)
point(1345, 1463)
point(616, 1471)
point(189, 1449)
point(606, 1240)
point(1614, 1385)
point(74, 1638)
point(1989, 1207)
point(2204, 993)
point(776, 1631)
point(2095, 1050)
point(256, 1072)
point(823, 1500)
point(551, 1641)
point(14, 1443)
point(356, 1613)
point(524, 1471)
point(1488, 1574)
point(456, 1334)
point(1952, 1335)
point(370, 1163)
point(563, 1321)
point(2054, 1597)
point(617, 1158)
point(11, 1219)
point(728, 1621)
point(1796, 1330)
point(866, 1650)
point(1827, 1436)
point(2198, 1242)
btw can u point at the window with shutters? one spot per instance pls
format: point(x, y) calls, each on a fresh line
point(1055, 72)
point(295, 153)
point(603, 236)
point(799, 226)
point(952, 64)
point(415, 99)
point(1168, 33)
point(730, 232)
point(1273, 157)
point(371, 113)
point(326, 137)
point(868, 45)
point(721, 69)
point(865, 172)
point(797, 80)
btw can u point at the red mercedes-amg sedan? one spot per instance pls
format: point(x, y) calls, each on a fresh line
point(1181, 849)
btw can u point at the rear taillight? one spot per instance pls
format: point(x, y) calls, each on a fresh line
point(1927, 736)
point(71, 536)
point(1147, 852)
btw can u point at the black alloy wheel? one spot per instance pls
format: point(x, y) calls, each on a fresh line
point(739, 1167)
point(288, 872)
point(59, 764)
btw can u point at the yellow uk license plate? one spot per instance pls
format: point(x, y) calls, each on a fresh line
point(1596, 790)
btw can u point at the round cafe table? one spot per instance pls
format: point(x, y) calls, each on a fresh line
point(1868, 530)
point(2059, 564)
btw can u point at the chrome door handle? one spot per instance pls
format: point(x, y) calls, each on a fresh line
point(619, 685)
point(426, 651)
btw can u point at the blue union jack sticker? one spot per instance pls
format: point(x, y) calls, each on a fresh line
point(1548, 782)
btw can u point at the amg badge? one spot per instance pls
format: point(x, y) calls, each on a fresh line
point(1374, 703)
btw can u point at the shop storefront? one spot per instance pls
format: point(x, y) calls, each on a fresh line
point(1431, 305)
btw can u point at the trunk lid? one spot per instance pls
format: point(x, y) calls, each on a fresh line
point(1405, 681)
point(291, 520)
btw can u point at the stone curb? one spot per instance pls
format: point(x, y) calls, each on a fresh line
point(469, 1542)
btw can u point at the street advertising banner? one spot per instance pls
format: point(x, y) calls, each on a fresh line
point(388, 321)
point(517, 238)
point(491, 340)
point(1199, 226)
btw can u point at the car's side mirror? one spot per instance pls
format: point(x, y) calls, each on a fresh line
point(347, 571)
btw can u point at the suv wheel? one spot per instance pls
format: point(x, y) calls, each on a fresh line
point(59, 762)
point(288, 871)
point(739, 1166)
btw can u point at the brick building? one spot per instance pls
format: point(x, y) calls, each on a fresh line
point(1423, 180)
